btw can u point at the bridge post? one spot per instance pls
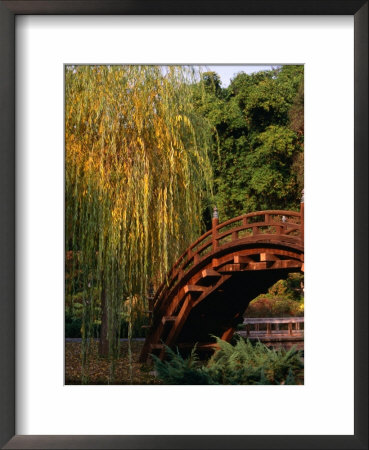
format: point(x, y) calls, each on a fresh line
point(214, 224)
point(302, 215)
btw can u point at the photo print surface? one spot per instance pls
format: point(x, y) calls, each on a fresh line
point(184, 224)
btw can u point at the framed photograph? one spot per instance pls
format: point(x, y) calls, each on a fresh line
point(120, 124)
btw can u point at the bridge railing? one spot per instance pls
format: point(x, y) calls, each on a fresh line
point(271, 325)
point(247, 226)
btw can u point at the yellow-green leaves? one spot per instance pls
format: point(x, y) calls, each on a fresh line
point(137, 170)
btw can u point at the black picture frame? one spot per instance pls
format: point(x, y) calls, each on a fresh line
point(8, 12)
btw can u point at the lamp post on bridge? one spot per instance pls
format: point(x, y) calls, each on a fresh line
point(215, 219)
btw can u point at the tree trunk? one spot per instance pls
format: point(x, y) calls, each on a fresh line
point(104, 343)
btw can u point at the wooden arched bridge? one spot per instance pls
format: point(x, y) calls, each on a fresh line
point(210, 286)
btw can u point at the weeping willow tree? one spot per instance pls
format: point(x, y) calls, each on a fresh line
point(137, 176)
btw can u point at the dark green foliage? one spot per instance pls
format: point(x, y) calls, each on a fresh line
point(295, 285)
point(247, 363)
point(268, 306)
point(242, 363)
point(290, 378)
point(76, 312)
point(284, 299)
point(263, 379)
point(181, 371)
point(73, 326)
point(258, 124)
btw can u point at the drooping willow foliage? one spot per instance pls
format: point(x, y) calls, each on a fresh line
point(137, 175)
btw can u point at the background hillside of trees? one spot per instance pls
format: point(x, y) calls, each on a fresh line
point(258, 139)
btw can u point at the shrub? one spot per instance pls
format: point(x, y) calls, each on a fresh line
point(242, 363)
point(181, 371)
point(73, 328)
point(247, 363)
point(285, 298)
point(264, 306)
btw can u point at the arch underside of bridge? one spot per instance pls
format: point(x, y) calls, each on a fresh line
point(211, 297)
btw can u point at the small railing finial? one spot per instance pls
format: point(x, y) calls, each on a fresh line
point(215, 213)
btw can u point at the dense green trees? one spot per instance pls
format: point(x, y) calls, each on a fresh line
point(258, 132)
